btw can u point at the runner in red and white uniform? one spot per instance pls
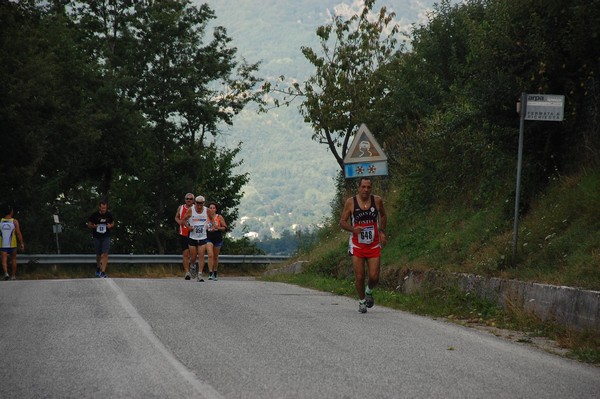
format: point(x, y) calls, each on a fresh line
point(197, 219)
point(364, 216)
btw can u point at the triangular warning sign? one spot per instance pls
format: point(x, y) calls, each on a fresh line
point(364, 148)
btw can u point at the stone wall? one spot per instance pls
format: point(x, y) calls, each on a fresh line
point(576, 308)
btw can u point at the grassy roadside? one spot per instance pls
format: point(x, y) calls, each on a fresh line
point(558, 238)
point(45, 272)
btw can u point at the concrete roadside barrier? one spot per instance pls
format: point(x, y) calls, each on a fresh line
point(572, 307)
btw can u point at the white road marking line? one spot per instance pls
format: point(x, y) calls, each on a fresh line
point(203, 389)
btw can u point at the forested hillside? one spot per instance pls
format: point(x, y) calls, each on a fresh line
point(134, 102)
point(446, 113)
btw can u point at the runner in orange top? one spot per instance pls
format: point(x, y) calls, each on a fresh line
point(184, 232)
point(364, 216)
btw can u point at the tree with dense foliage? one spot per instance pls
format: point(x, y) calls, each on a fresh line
point(49, 109)
point(467, 68)
point(444, 107)
point(117, 100)
point(348, 83)
point(184, 90)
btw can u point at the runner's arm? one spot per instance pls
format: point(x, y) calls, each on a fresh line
point(19, 235)
point(177, 218)
point(223, 223)
point(344, 219)
point(382, 220)
point(187, 216)
point(382, 214)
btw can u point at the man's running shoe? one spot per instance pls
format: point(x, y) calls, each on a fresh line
point(187, 276)
point(200, 277)
point(103, 275)
point(210, 276)
point(369, 299)
point(13, 277)
point(362, 307)
point(6, 276)
point(97, 273)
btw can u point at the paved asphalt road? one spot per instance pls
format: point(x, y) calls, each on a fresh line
point(235, 338)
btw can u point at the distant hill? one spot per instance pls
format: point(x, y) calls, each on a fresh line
point(291, 176)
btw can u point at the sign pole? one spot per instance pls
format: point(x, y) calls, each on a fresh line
point(57, 246)
point(533, 107)
point(522, 112)
point(56, 228)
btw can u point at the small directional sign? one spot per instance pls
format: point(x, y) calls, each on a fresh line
point(365, 156)
point(365, 169)
point(545, 107)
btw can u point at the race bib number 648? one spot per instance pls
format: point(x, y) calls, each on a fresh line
point(367, 235)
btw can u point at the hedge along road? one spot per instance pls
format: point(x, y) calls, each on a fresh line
point(240, 338)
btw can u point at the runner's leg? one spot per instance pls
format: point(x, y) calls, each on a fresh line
point(359, 275)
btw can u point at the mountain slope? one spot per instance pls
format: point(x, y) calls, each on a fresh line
point(291, 176)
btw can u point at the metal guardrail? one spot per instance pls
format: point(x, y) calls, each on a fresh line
point(57, 259)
